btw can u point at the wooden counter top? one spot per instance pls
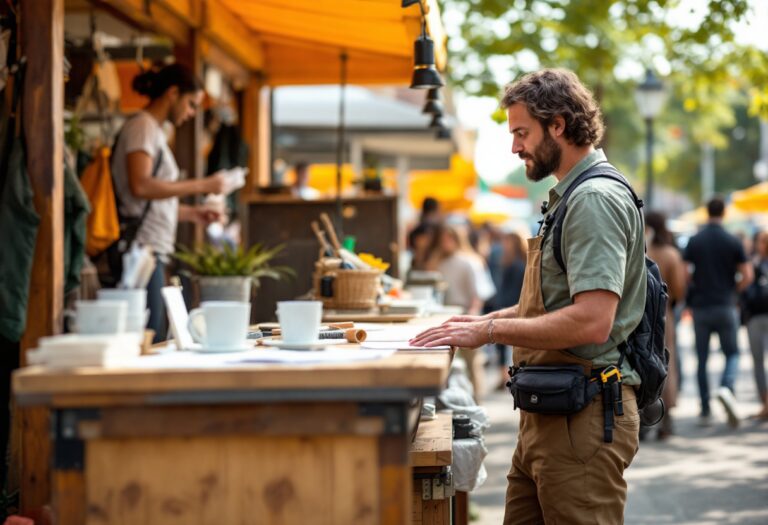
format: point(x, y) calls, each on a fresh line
point(433, 446)
point(420, 373)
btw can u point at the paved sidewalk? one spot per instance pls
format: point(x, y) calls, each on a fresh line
point(700, 476)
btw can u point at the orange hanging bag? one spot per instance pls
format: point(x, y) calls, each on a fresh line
point(103, 227)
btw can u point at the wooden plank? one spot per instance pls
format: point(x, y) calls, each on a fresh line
point(433, 445)
point(395, 480)
point(189, 137)
point(461, 508)
point(68, 497)
point(42, 38)
point(252, 113)
point(287, 419)
point(232, 34)
point(236, 479)
point(190, 11)
point(402, 370)
point(149, 16)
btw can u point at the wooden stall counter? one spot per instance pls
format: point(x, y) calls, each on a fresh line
point(267, 444)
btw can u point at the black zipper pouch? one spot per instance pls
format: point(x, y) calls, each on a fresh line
point(556, 390)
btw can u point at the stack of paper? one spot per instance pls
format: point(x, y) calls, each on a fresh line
point(76, 350)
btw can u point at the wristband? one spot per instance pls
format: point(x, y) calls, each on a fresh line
point(490, 332)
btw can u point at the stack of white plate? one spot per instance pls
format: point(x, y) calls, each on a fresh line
point(76, 350)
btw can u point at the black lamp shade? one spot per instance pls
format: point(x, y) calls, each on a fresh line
point(437, 122)
point(426, 78)
point(424, 51)
point(433, 107)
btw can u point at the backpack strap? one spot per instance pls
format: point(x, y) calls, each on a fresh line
point(555, 221)
point(155, 169)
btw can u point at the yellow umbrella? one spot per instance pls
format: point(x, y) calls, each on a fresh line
point(753, 199)
point(700, 215)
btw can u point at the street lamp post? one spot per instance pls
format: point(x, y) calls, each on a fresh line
point(650, 97)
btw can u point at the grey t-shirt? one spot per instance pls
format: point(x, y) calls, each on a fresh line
point(143, 133)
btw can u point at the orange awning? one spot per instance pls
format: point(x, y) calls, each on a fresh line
point(300, 42)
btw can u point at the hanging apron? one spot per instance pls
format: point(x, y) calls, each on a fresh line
point(532, 305)
point(562, 471)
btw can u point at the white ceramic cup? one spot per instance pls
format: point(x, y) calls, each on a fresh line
point(220, 325)
point(100, 317)
point(299, 321)
point(137, 299)
point(422, 293)
point(137, 315)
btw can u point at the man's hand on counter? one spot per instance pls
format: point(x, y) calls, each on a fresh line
point(466, 334)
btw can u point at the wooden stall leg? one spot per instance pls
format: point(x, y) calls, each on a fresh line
point(395, 481)
point(42, 37)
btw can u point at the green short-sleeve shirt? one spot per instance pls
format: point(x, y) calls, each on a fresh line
point(603, 249)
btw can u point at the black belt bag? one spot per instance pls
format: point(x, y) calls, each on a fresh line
point(556, 390)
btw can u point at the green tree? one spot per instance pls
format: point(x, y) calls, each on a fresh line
point(601, 40)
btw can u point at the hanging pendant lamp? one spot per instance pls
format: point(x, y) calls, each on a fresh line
point(433, 104)
point(425, 75)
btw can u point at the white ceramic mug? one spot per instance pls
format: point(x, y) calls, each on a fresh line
point(220, 325)
point(137, 305)
point(299, 321)
point(422, 292)
point(100, 317)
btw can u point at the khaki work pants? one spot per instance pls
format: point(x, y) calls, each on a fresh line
point(564, 473)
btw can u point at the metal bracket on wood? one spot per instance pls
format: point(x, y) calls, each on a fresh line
point(394, 415)
point(438, 485)
point(68, 448)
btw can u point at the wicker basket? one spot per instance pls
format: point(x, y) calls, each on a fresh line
point(356, 289)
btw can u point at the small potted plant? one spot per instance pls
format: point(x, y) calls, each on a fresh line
point(226, 273)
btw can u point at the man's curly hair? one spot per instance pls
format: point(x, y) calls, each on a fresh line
point(552, 92)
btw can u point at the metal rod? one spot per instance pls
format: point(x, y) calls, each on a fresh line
point(340, 142)
point(649, 155)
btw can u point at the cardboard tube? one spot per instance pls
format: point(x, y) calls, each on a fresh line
point(355, 335)
point(342, 324)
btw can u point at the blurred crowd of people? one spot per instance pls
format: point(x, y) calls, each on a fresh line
point(721, 278)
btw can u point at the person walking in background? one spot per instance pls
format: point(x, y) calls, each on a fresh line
point(662, 251)
point(420, 240)
point(755, 312)
point(430, 211)
point(718, 260)
point(145, 170)
point(301, 188)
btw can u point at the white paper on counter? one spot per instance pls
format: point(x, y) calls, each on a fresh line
point(398, 345)
point(193, 360)
point(395, 334)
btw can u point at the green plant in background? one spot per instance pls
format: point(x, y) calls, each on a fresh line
point(214, 261)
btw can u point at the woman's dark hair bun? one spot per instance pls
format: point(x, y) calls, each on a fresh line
point(155, 82)
point(143, 83)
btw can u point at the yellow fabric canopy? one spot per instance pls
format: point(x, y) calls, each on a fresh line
point(302, 40)
point(753, 199)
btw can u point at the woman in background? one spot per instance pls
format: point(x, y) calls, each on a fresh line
point(662, 250)
point(145, 170)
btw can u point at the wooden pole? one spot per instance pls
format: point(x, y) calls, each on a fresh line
point(42, 37)
point(189, 137)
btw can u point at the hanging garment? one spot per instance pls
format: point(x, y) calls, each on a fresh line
point(103, 225)
point(76, 210)
point(18, 232)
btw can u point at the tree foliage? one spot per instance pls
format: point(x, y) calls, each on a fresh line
point(606, 42)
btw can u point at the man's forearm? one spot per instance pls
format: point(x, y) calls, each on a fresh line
point(565, 328)
point(506, 313)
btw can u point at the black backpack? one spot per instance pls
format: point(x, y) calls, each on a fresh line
point(644, 348)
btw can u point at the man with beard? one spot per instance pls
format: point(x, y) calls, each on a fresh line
point(564, 469)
